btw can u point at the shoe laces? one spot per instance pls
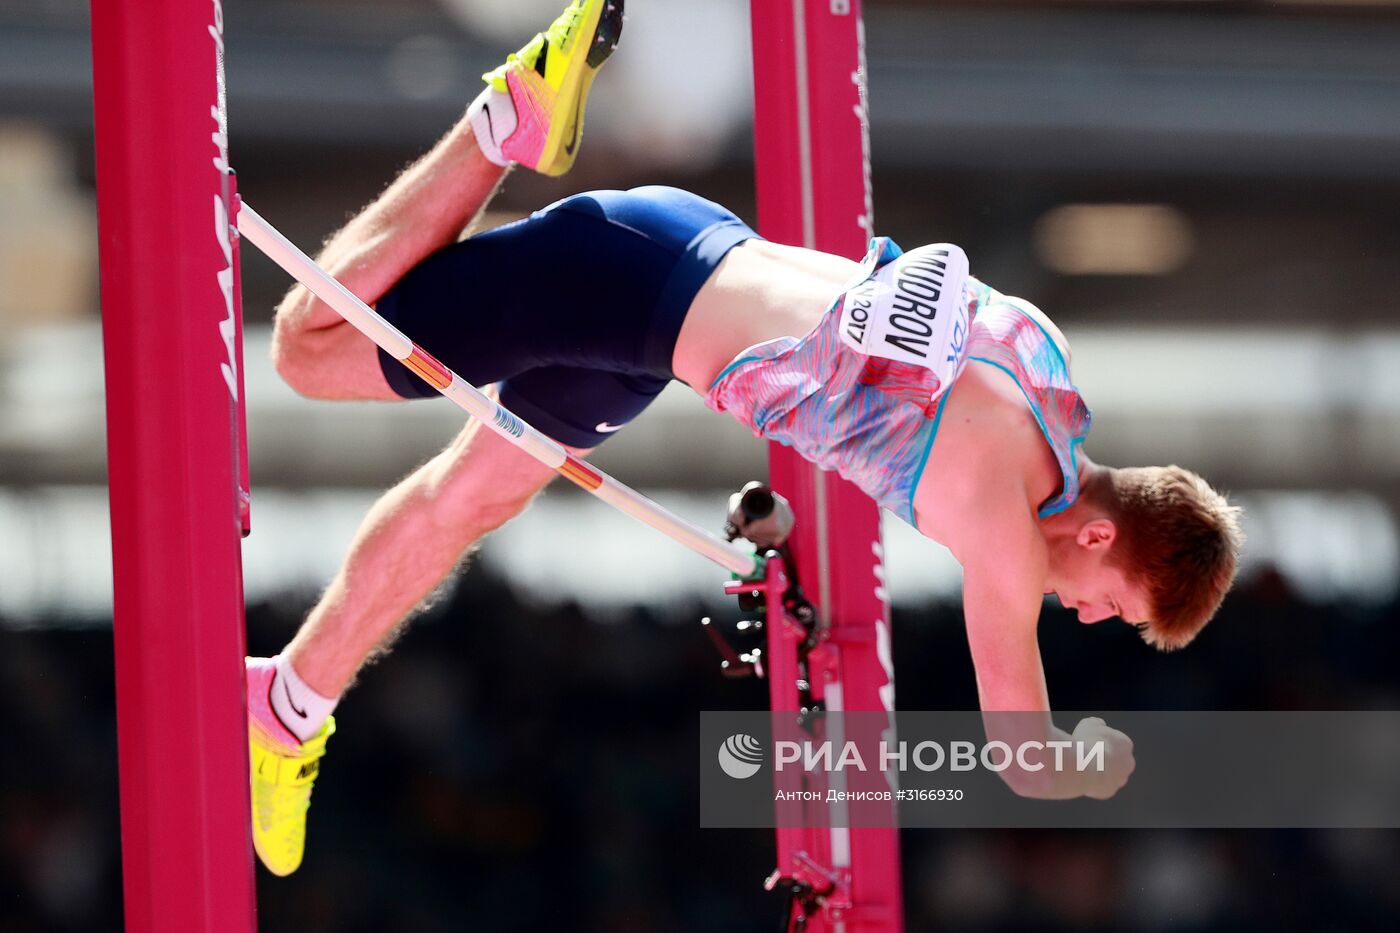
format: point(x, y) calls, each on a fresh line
point(561, 32)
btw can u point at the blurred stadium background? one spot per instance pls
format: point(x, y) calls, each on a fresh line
point(1205, 195)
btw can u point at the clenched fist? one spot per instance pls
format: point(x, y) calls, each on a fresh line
point(1118, 756)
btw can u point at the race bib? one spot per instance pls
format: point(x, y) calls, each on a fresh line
point(912, 310)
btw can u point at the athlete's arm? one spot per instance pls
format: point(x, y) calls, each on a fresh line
point(423, 210)
point(1004, 564)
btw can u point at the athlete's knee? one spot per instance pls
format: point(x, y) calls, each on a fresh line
point(483, 481)
point(525, 476)
point(292, 363)
point(492, 511)
point(293, 355)
point(484, 501)
point(333, 362)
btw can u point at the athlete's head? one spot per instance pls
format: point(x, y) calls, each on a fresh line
point(1155, 546)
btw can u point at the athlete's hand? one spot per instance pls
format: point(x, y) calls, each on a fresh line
point(1118, 757)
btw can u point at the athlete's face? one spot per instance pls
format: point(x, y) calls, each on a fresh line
point(1085, 580)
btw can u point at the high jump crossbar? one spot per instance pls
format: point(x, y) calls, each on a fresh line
point(479, 405)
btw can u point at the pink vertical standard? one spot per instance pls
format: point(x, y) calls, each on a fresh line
point(169, 316)
point(813, 179)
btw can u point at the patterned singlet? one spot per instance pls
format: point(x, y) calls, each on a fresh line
point(863, 393)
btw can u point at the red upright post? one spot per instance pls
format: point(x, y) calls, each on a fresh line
point(813, 178)
point(168, 318)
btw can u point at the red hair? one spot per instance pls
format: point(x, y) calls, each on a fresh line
point(1178, 538)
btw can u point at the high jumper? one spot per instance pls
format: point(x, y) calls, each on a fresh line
point(950, 404)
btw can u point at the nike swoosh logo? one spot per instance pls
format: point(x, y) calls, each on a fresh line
point(605, 428)
point(273, 707)
point(290, 702)
point(573, 136)
point(490, 127)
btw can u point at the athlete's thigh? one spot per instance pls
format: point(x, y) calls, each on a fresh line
point(346, 364)
point(598, 281)
point(557, 288)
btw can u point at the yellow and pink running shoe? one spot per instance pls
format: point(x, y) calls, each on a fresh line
point(548, 82)
point(283, 771)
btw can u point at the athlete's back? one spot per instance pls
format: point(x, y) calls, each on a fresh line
point(761, 291)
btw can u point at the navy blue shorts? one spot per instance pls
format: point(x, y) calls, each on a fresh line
point(574, 310)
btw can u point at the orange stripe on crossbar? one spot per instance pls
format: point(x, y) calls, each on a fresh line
point(428, 368)
point(577, 471)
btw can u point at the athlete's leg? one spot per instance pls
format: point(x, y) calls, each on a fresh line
point(530, 113)
point(314, 349)
point(578, 359)
point(407, 545)
point(418, 531)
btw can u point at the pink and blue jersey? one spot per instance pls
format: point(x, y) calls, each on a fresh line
point(863, 393)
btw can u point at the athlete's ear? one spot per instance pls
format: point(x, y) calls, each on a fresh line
point(1096, 534)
